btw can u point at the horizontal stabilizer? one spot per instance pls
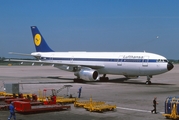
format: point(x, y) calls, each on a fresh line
point(23, 54)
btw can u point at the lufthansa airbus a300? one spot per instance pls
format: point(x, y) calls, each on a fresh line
point(88, 66)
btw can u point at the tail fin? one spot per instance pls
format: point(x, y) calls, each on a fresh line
point(39, 41)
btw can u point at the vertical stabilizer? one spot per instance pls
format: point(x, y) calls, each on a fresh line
point(39, 41)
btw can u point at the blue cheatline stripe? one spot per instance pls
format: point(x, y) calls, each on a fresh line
point(100, 60)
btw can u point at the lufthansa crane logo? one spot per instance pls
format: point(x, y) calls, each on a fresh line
point(37, 39)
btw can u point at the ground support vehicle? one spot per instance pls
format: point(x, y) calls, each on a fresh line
point(172, 107)
point(26, 107)
point(94, 106)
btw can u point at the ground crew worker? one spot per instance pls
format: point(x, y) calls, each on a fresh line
point(12, 112)
point(79, 92)
point(154, 105)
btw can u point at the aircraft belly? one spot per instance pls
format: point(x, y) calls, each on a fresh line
point(153, 69)
point(124, 69)
point(134, 69)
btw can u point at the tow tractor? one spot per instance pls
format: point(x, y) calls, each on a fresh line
point(172, 108)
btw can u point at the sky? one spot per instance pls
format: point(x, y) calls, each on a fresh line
point(91, 25)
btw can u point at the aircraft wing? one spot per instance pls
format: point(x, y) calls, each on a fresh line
point(93, 66)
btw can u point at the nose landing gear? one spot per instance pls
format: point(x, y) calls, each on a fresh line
point(148, 82)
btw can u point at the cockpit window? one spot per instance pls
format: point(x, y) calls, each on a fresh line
point(165, 60)
point(162, 60)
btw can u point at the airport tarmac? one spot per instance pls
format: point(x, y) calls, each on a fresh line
point(132, 97)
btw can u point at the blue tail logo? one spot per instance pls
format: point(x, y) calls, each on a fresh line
point(39, 41)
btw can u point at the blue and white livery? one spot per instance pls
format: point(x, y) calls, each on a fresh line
point(89, 65)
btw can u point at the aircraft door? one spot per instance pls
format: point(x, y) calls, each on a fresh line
point(145, 61)
point(71, 59)
point(51, 58)
point(120, 60)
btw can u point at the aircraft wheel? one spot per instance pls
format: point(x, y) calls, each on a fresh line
point(104, 79)
point(78, 80)
point(148, 82)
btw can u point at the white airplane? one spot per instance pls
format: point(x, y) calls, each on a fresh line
point(89, 65)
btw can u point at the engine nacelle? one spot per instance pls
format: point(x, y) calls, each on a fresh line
point(87, 74)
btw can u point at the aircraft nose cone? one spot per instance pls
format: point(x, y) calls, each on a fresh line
point(170, 66)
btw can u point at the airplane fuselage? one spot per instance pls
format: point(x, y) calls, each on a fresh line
point(118, 63)
point(88, 65)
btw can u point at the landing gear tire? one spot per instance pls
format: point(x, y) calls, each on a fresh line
point(76, 80)
point(104, 79)
point(148, 82)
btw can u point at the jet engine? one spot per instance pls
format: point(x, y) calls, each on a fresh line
point(87, 74)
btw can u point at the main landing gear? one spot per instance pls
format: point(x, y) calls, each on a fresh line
point(104, 78)
point(148, 82)
point(78, 80)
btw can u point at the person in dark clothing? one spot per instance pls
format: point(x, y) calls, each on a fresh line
point(154, 105)
point(79, 92)
point(12, 112)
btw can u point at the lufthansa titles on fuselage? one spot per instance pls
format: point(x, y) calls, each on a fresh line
point(133, 57)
